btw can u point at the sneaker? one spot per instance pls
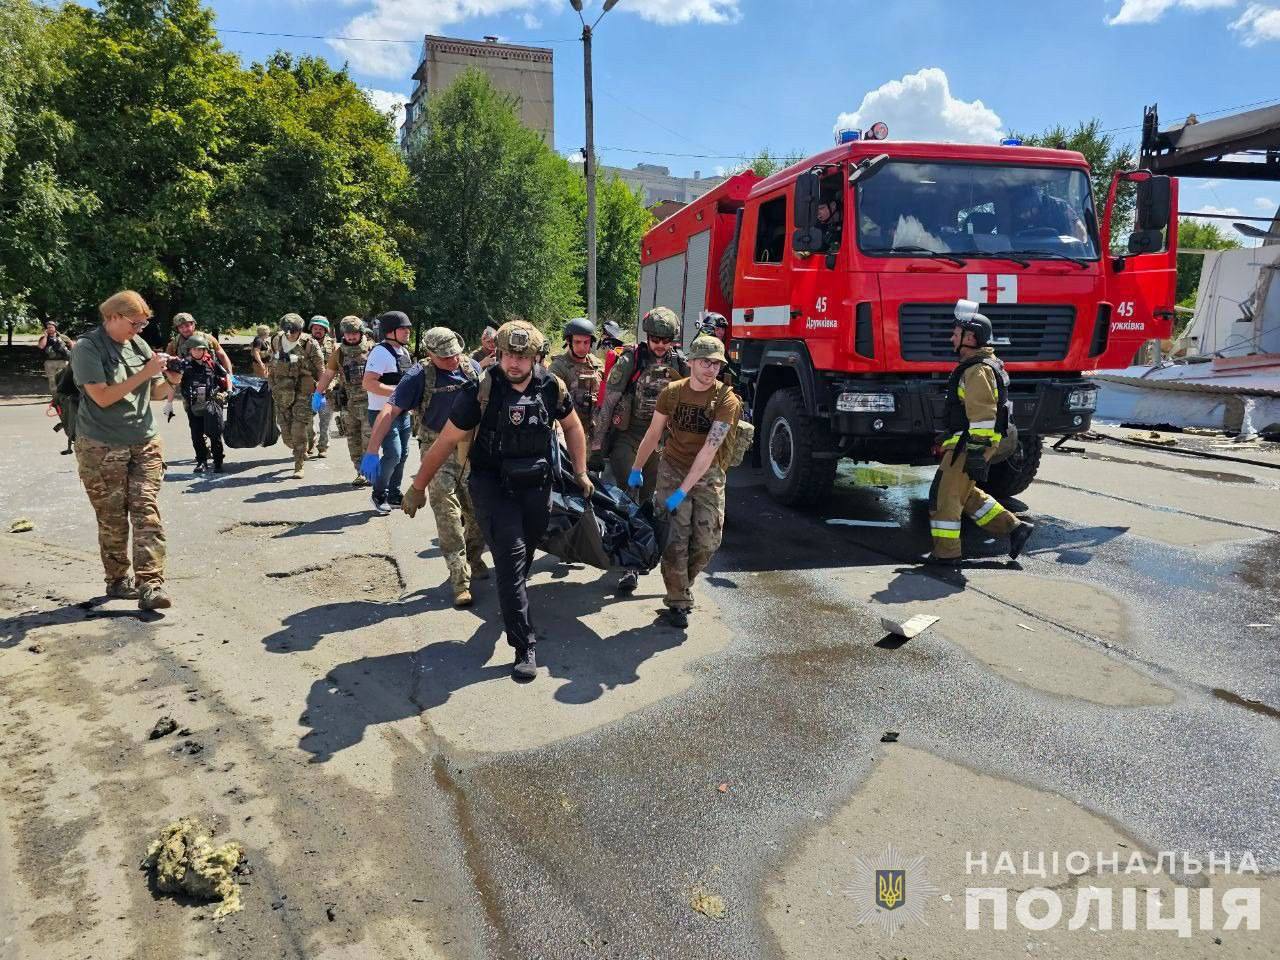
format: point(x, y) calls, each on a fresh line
point(678, 617)
point(1018, 539)
point(201, 466)
point(359, 481)
point(122, 589)
point(395, 498)
point(151, 596)
point(479, 570)
point(627, 585)
point(526, 664)
point(462, 598)
point(322, 453)
point(381, 506)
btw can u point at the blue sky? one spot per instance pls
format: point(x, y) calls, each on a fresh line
point(720, 78)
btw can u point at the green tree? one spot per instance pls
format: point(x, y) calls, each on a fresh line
point(301, 218)
point(1197, 235)
point(621, 222)
point(1106, 156)
point(766, 163)
point(36, 198)
point(490, 210)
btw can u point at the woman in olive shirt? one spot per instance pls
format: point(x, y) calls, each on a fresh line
point(118, 453)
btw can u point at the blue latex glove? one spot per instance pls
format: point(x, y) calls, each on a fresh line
point(675, 500)
point(369, 467)
point(635, 478)
point(317, 402)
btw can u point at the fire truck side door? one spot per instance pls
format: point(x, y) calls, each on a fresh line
point(1140, 282)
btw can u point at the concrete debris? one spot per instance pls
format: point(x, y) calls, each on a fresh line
point(21, 525)
point(182, 860)
point(1026, 628)
point(890, 736)
point(708, 904)
point(1154, 437)
point(189, 747)
point(908, 628)
point(164, 726)
point(36, 648)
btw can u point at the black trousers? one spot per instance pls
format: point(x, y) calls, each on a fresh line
point(196, 422)
point(513, 524)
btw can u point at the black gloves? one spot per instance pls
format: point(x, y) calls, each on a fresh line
point(975, 464)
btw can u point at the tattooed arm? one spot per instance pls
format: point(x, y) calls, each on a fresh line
point(702, 462)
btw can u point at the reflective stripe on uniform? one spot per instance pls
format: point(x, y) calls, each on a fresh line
point(960, 390)
point(946, 529)
point(951, 441)
point(987, 512)
point(982, 425)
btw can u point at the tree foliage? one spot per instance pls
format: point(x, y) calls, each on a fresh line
point(1197, 235)
point(621, 222)
point(489, 211)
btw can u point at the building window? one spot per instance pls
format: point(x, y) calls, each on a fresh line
point(771, 230)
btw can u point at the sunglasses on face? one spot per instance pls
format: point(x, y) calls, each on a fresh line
point(660, 340)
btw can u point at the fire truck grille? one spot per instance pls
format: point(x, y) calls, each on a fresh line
point(1034, 331)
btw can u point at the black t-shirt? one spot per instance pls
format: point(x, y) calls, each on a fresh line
point(502, 402)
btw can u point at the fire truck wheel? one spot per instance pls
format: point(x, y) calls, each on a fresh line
point(790, 438)
point(1010, 477)
point(728, 264)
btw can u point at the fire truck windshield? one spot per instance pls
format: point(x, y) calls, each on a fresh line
point(976, 210)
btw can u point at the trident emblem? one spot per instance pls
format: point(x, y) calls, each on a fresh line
point(890, 888)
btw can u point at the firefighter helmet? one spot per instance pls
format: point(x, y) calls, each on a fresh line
point(970, 320)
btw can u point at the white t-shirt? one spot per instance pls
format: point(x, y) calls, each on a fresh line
point(381, 360)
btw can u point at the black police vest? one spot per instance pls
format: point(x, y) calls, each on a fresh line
point(403, 363)
point(55, 349)
point(957, 418)
point(514, 430)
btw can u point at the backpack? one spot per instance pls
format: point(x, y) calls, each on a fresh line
point(741, 435)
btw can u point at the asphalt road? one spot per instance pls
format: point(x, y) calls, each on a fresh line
point(653, 794)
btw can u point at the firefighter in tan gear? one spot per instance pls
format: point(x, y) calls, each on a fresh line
point(581, 370)
point(978, 412)
point(636, 380)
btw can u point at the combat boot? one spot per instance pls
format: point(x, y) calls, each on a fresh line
point(217, 466)
point(479, 569)
point(299, 459)
point(151, 596)
point(201, 466)
point(526, 664)
point(322, 452)
point(678, 617)
point(462, 597)
point(359, 481)
point(627, 585)
point(1019, 537)
point(122, 589)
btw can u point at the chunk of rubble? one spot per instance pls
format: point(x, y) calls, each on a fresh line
point(182, 860)
point(164, 726)
point(912, 627)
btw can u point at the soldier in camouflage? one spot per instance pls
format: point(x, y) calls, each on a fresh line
point(692, 421)
point(345, 371)
point(581, 370)
point(636, 379)
point(324, 416)
point(296, 366)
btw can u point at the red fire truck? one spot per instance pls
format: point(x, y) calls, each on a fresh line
point(840, 274)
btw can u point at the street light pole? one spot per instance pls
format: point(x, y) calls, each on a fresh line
point(590, 150)
point(590, 171)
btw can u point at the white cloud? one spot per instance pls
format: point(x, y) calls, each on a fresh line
point(920, 107)
point(1149, 11)
point(1258, 24)
point(412, 19)
point(385, 102)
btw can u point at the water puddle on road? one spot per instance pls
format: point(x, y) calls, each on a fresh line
point(893, 487)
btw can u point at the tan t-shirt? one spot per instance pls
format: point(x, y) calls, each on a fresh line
point(690, 414)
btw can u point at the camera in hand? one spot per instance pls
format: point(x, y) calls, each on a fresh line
point(175, 364)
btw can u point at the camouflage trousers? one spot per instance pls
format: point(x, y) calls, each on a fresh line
point(461, 541)
point(123, 484)
point(51, 370)
point(694, 533)
point(293, 414)
point(623, 455)
point(954, 493)
point(355, 425)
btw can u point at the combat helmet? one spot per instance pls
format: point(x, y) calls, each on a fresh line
point(579, 327)
point(351, 325)
point(706, 347)
point(292, 322)
point(197, 340)
point(393, 320)
point(319, 321)
point(442, 342)
point(520, 338)
point(661, 322)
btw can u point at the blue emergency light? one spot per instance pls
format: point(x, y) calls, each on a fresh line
point(849, 136)
point(1011, 142)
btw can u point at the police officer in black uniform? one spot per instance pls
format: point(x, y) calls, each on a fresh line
point(512, 409)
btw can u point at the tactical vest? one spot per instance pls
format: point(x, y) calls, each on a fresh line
point(656, 376)
point(289, 365)
point(583, 378)
point(403, 362)
point(956, 417)
point(429, 390)
point(504, 434)
point(351, 361)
